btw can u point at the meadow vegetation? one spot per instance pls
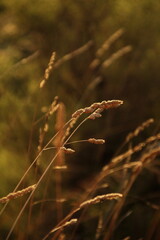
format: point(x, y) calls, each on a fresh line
point(79, 100)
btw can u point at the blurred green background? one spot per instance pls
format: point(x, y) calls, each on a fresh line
point(32, 31)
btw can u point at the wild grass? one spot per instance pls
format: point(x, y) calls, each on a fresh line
point(53, 210)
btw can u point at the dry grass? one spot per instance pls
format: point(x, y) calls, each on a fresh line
point(126, 167)
point(17, 194)
point(48, 70)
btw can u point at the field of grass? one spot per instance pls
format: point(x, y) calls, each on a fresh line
point(71, 189)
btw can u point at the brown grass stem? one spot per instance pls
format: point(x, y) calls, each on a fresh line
point(40, 180)
point(127, 186)
point(95, 200)
point(100, 177)
point(29, 168)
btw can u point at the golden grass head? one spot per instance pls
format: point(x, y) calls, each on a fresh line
point(69, 223)
point(17, 194)
point(48, 70)
point(96, 141)
point(101, 198)
point(100, 106)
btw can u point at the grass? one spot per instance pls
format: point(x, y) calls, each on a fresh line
point(49, 208)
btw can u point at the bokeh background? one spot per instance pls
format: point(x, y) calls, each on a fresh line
point(30, 31)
